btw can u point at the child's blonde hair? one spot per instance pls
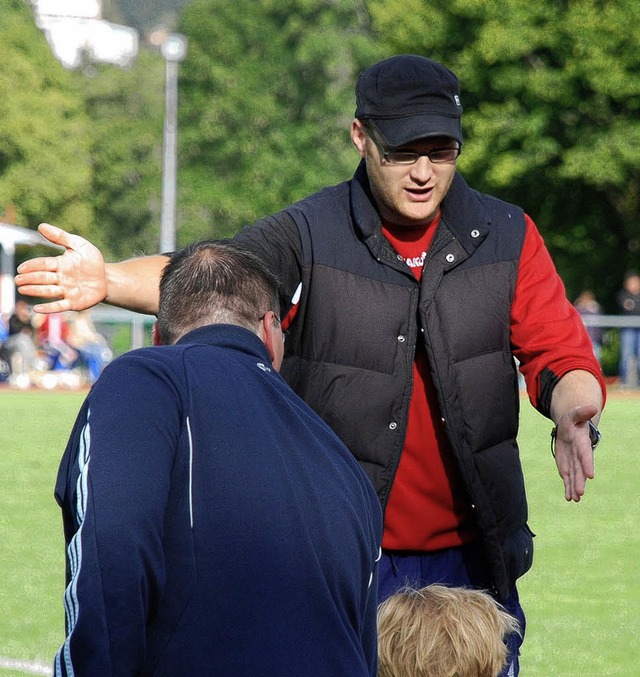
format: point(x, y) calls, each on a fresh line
point(442, 632)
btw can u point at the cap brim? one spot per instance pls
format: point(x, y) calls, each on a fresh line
point(400, 131)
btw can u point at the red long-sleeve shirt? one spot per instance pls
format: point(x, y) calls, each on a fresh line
point(426, 509)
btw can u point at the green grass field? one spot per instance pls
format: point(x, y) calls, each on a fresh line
point(582, 597)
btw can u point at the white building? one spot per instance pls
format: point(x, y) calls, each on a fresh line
point(76, 32)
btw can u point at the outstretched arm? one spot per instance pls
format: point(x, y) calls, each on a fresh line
point(79, 278)
point(576, 399)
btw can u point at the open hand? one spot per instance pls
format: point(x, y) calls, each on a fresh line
point(574, 455)
point(76, 279)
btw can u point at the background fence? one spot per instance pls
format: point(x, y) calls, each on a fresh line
point(123, 329)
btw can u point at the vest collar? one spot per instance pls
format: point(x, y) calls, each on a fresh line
point(465, 215)
point(366, 219)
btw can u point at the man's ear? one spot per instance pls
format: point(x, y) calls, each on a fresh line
point(271, 335)
point(359, 137)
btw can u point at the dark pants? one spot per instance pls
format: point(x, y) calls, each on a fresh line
point(453, 567)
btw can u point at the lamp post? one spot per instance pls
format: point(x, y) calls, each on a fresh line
point(174, 50)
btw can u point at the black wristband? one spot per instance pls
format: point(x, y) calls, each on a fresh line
point(594, 434)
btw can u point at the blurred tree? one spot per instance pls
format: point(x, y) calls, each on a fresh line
point(126, 112)
point(266, 99)
point(82, 149)
point(44, 135)
point(551, 92)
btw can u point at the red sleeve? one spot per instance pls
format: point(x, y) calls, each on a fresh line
point(42, 331)
point(547, 334)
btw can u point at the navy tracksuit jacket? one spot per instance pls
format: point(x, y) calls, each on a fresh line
point(214, 524)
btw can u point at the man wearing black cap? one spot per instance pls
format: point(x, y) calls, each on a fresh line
point(409, 296)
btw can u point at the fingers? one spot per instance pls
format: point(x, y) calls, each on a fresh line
point(60, 237)
point(38, 284)
point(575, 474)
point(59, 306)
point(46, 291)
point(574, 487)
point(41, 264)
point(575, 460)
point(579, 486)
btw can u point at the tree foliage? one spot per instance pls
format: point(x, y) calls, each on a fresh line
point(266, 102)
point(44, 137)
point(551, 92)
point(80, 149)
point(125, 108)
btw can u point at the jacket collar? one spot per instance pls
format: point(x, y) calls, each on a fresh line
point(227, 336)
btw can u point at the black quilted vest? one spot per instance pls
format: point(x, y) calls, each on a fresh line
point(351, 351)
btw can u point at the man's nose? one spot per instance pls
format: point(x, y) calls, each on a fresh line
point(422, 169)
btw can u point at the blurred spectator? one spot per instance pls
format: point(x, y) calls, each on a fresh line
point(52, 338)
point(4, 358)
point(4, 328)
point(90, 345)
point(629, 304)
point(586, 304)
point(20, 346)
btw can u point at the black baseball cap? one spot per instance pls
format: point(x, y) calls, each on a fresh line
point(409, 97)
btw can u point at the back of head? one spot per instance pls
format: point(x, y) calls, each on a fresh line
point(213, 282)
point(442, 632)
point(409, 97)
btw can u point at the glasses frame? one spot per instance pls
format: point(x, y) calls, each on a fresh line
point(410, 157)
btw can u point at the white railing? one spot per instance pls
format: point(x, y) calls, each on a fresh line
point(607, 321)
point(139, 322)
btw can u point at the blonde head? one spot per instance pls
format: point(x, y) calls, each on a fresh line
point(442, 632)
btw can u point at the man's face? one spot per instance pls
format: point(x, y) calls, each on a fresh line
point(406, 195)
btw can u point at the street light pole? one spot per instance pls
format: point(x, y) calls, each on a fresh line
point(174, 50)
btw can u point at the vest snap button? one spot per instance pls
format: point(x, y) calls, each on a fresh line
point(401, 338)
point(400, 257)
point(393, 425)
point(450, 258)
point(475, 232)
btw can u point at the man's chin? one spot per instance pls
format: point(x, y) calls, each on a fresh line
point(416, 217)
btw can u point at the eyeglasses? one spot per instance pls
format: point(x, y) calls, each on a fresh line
point(405, 157)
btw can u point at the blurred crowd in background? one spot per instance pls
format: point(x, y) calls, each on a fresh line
point(60, 350)
point(66, 350)
point(628, 337)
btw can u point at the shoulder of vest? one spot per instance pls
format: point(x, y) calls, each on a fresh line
point(469, 213)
